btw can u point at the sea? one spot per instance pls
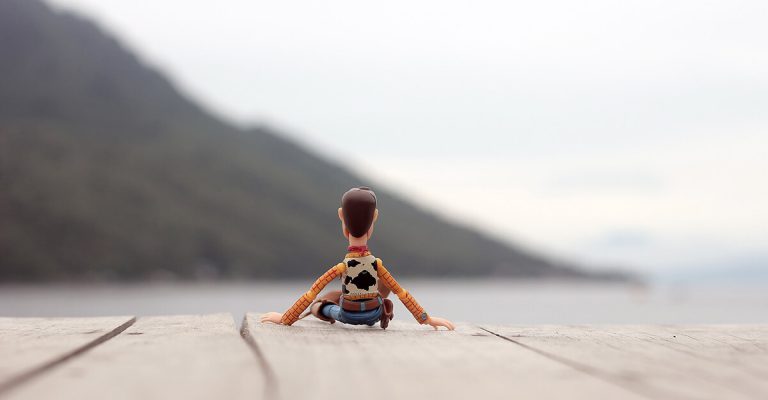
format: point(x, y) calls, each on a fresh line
point(497, 301)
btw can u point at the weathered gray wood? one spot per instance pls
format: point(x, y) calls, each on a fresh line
point(704, 362)
point(744, 347)
point(204, 357)
point(315, 360)
point(29, 346)
point(179, 357)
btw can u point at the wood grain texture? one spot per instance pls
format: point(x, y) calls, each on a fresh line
point(316, 360)
point(30, 346)
point(669, 362)
point(204, 357)
point(178, 357)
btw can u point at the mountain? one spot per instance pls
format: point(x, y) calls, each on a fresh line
point(107, 172)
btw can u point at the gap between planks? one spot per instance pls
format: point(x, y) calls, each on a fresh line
point(8, 385)
point(180, 356)
point(26, 376)
point(646, 360)
point(583, 368)
point(551, 370)
point(272, 380)
point(271, 389)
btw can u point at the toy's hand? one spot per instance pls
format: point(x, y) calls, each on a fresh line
point(273, 317)
point(435, 322)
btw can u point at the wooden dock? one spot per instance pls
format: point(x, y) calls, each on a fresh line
point(210, 357)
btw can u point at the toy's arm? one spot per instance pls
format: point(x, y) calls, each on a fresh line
point(410, 303)
point(293, 313)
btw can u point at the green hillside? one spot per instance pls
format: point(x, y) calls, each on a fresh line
point(108, 173)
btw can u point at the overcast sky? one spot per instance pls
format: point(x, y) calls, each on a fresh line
point(629, 133)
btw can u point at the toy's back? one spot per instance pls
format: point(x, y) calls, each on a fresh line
point(361, 278)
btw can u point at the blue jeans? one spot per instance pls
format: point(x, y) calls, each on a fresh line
point(369, 317)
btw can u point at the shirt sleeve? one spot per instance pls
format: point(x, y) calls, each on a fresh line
point(408, 301)
point(293, 313)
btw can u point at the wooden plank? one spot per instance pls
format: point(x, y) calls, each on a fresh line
point(743, 347)
point(30, 346)
point(315, 360)
point(703, 362)
point(179, 357)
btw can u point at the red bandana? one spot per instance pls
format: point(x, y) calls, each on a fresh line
point(357, 249)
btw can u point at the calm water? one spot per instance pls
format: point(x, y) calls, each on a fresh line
point(498, 301)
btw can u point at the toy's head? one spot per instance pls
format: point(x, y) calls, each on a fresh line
point(358, 212)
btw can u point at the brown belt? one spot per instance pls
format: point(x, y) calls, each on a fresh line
point(351, 305)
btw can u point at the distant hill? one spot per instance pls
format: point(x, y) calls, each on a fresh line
point(108, 173)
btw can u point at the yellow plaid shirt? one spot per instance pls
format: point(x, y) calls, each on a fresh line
point(293, 313)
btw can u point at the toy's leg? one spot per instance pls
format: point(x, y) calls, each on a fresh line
point(329, 298)
point(332, 312)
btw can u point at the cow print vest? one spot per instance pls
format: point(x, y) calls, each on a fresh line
point(360, 280)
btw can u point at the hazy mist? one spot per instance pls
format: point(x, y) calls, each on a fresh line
point(629, 133)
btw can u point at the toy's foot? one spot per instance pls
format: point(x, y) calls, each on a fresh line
point(387, 313)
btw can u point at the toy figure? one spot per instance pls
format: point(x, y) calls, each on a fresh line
point(366, 283)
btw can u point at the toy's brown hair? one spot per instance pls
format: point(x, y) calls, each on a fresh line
point(358, 206)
